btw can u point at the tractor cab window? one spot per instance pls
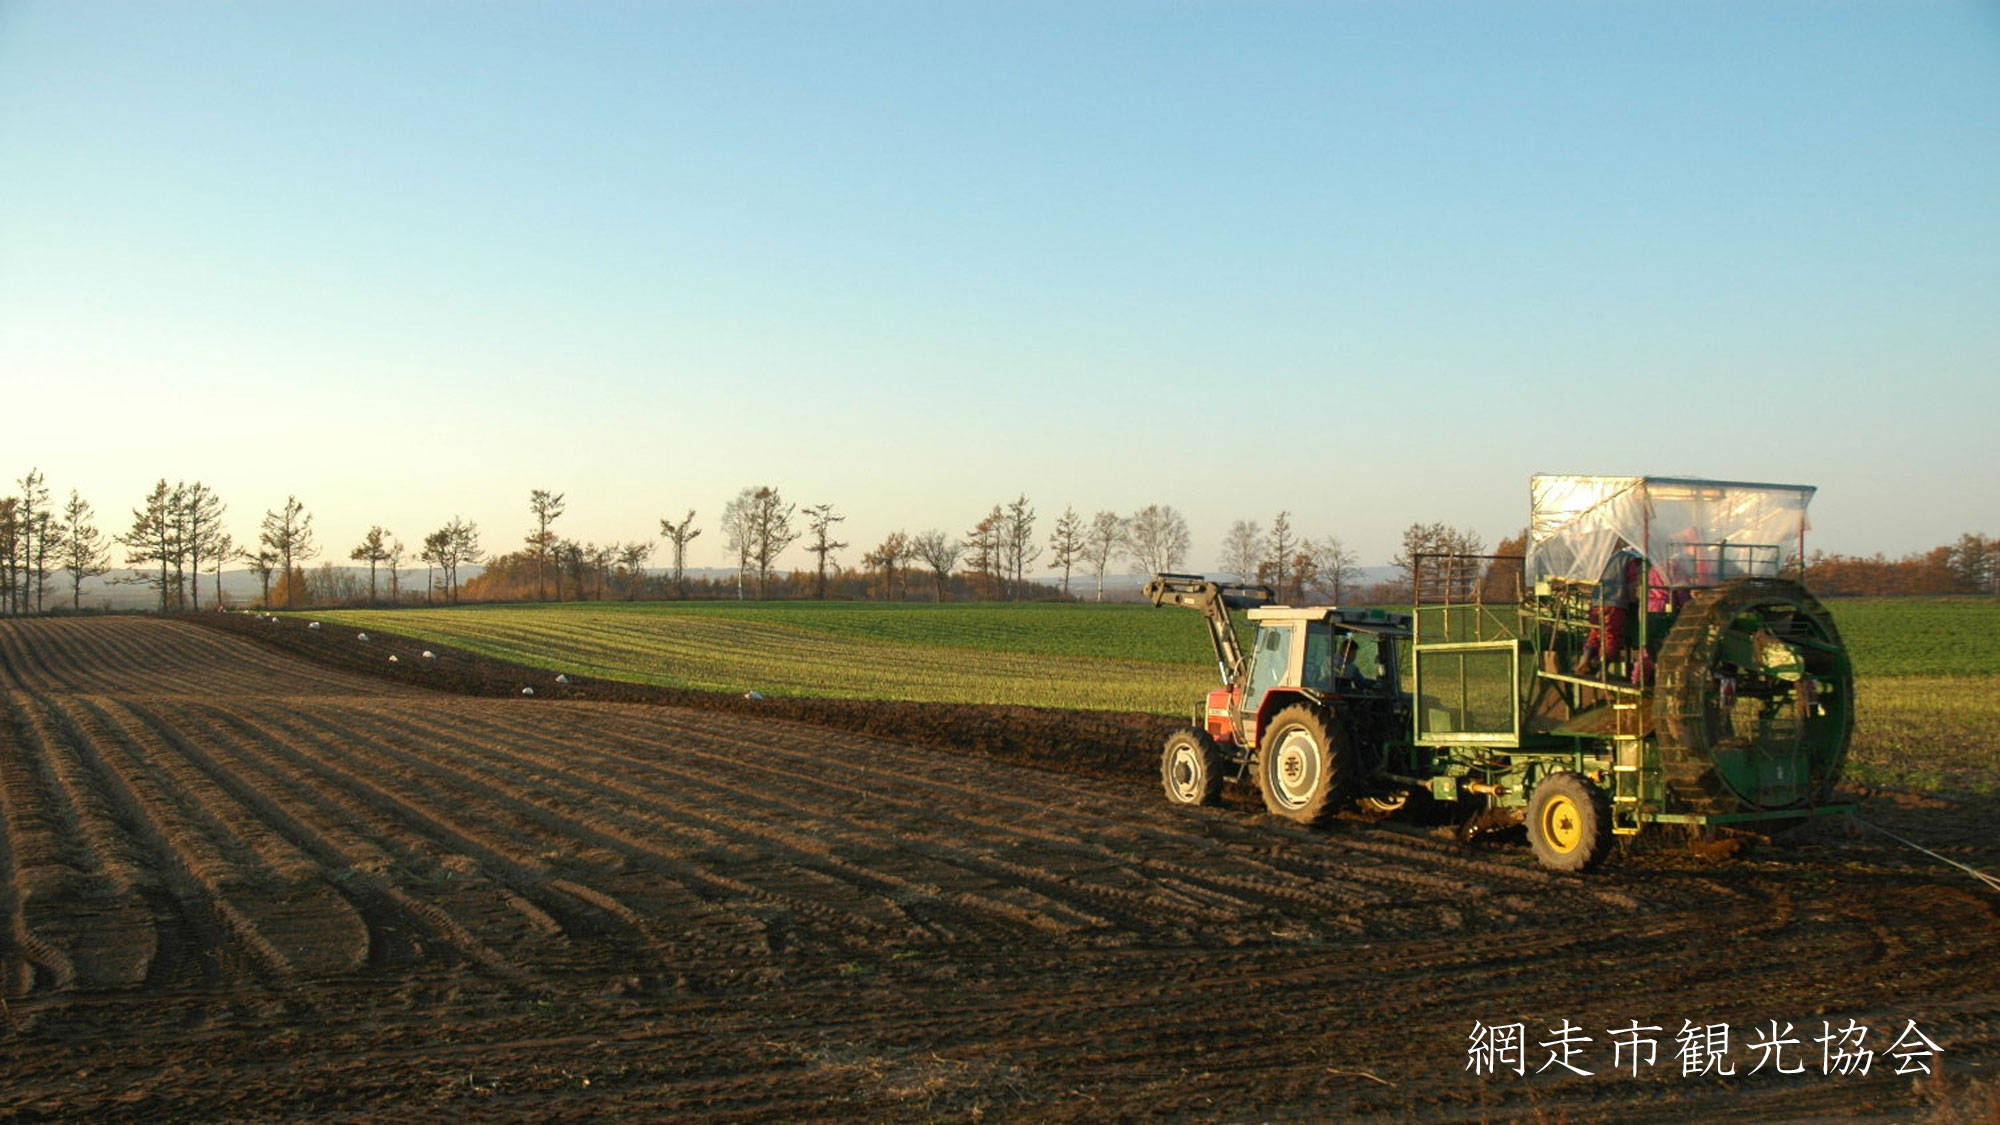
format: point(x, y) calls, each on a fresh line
point(1268, 662)
point(1338, 660)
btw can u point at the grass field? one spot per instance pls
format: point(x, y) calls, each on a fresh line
point(1928, 696)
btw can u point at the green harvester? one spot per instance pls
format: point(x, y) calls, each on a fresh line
point(1654, 659)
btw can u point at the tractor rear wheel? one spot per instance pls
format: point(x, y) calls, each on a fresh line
point(1191, 768)
point(1305, 765)
point(1569, 822)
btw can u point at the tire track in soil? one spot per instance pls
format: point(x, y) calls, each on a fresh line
point(715, 894)
point(502, 837)
point(832, 818)
point(25, 663)
point(25, 957)
point(389, 859)
point(202, 935)
point(1140, 914)
point(1067, 844)
point(85, 891)
point(401, 930)
point(796, 865)
point(314, 907)
point(265, 887)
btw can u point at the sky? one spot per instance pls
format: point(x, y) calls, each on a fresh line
point(1368, 263)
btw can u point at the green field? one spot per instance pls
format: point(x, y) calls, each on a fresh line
point(1928, 697)
point(1114, 657)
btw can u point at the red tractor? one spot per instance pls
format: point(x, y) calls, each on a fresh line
point(1307, 711)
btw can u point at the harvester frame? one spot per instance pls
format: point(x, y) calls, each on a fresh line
point(1660, 664)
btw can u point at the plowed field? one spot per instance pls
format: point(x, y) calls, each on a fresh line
point(236, 884)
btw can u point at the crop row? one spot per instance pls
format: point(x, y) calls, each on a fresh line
point(774, 655)
point(1079, 656)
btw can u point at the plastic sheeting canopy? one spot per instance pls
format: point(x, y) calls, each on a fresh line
point(1694, 532)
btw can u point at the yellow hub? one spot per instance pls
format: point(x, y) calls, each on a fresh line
point(1562, 823)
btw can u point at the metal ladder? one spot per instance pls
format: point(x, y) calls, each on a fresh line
point(1629, 775)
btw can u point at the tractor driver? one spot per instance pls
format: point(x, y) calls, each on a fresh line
point(1347, 665)
point(1335, 659)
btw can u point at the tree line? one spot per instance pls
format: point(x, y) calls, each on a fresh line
point(1969, 566)
point(176, 536)
point(176, 540)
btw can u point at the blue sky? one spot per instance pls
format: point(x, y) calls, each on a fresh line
point(1370, 263)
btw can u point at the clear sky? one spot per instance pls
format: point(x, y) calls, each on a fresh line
point(1374, 263)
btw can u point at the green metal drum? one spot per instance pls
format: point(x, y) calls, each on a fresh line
point(1754, 703)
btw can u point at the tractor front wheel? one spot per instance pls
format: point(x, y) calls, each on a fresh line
point(1305, 765)
point(1569, 822)
point(1191, 768)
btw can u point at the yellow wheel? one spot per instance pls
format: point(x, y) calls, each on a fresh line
point(1562, 823)
point(1569, 822)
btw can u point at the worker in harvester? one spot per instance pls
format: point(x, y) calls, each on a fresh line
point(1611, 609)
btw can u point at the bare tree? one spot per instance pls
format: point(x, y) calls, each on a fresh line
point(33, 525)
point(1280, 564)
point(820, 519)
point(85, 553)
point(263, 563)
point(436, 546)
point(47, 548)
point(1066, 545)
point(1465, 546)
point(10, 547)
point(201, 517)
point(1017, 542)
point(938, 553)
point(1449, 572)
point(176, 545)
point(393, 555)
point(288, 533)
point(330, 585)
point(570, 558)
point(224, 549)
point(1242, 549)
point(767, 531)
point(1334, 569)
point(736, 526)
point(887, 557)
point(454, 545)
point(151, 538)
point(373, 550)
point(680, 535)
point(465, 549)
point(632, 566)
point(547, 508)
point(599, 559)
point(1102, 543)
point(985, 547)
point(1157, 538)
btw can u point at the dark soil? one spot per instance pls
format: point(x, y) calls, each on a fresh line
point(251, 871)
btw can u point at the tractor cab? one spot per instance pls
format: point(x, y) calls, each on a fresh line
point(1317, 654)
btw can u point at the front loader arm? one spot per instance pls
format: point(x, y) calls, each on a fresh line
point(1214, 600)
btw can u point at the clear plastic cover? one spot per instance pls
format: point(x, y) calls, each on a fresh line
point(1693, 532)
